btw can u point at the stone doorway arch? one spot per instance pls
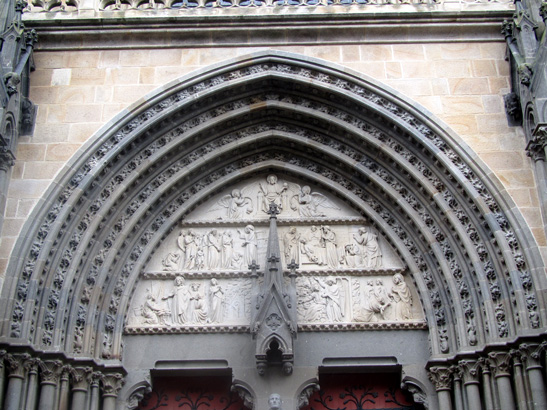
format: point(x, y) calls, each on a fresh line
point(469, 254)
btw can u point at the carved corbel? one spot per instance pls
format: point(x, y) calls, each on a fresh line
point(418, 395)
point(244, 394)
point(306, 393)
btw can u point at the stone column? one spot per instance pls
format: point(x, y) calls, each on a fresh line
point(500, 363)
point(536, 151)
point(81, 376)
point(471, 372)
point(531, 354)
point(486, 384)
point(518, 380)
point(2, 376)
point(441, 378)
point(16, 377)
point(32, 365)
point(112, 384)
point(63, 390)
point(49, 381)
point(458, 397)
point(94, 399)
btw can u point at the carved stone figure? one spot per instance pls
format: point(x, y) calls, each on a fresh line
point(311, 246)
point(249, 244)
point(152, 312)
point(376, 300)
point(402, 298)
point(310, 302)
point(308, 203)
point(272, 192)
point(197, 310)
point(334, 303)
point(200, 253)
point(179, 303)
point(352, 255)
point(171, 262)
point(274, 401)
point(213, 249)
point(291, 245)
point(236, 204)
point(187, 242)
point(328, 239)
point(227, 242)
point(216, 296)
point(371, 256)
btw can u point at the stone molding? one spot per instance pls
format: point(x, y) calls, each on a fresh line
point(322, 25)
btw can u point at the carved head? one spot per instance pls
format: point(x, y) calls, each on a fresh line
point(306, 189)
point(274, 401)
point(272, 179)
point(236, 193)
point(249, 228)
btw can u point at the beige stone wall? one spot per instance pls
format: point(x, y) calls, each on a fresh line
point(77, 92)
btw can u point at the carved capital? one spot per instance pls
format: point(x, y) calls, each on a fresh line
point(136, 397)
point(50, 371)
point(500, 363)
point(32, 365)
point(112, 384)
point(470, 371)
point(81, 377)
point(531, 355)
point(16, 364)
point(441, 377)
point(95, 379)
point(485, 365)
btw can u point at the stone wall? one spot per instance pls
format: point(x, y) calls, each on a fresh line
point(77, 92)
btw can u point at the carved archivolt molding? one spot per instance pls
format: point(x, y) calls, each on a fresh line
point(80, 258)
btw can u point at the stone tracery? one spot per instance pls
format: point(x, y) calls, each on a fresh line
point(442, 226)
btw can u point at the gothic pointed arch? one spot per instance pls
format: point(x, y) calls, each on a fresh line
point(471, 257)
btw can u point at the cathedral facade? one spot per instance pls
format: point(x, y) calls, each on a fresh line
point(273, 204)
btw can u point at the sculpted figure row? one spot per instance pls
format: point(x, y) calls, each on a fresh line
point(320, 300)
point(255, 199)
point(213, 250)
point(319, 246)
point(195, 303)
point(327, 300)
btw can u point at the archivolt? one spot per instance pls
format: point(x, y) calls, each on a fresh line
point(470, 255)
